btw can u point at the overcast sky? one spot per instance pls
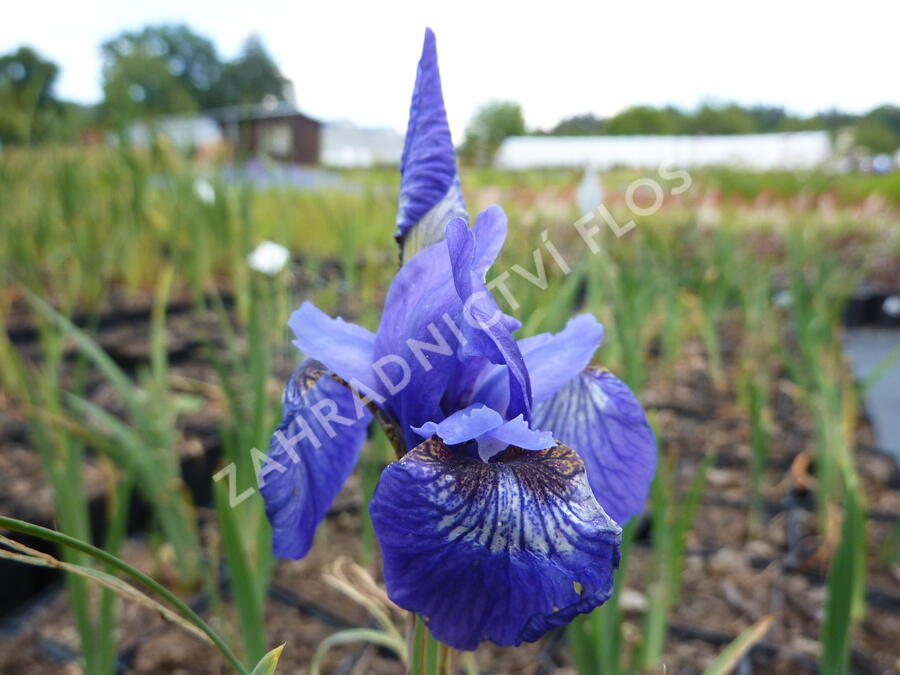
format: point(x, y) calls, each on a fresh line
point(356, 60)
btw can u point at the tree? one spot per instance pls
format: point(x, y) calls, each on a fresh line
point(159, 69)
point(726, 119)
point(887, 119)
point(142, 84)
point(253, 76)
point(876, 137)
point(27, 104)
point(491, 124)
point(644, 119)
point(170, 69)
point(579, 125)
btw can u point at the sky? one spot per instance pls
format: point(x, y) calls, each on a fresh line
point(356, 60)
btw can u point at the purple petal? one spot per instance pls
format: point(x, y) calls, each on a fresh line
point(419, 298)
point(430, 195)
point(599, 416)
point(486, 332)
point(487, 427)
point(311, 454)
point(518, 434)
point(425, 305)
point(463, 425)
point(501, 551)
point(345, 348)
point(551, 360)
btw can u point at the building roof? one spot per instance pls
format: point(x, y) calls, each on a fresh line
point(255, 111)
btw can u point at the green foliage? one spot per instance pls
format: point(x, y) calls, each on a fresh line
point(118, 218)
point(120, 566)
point(169, 69)
point(845, 576)
point(268, 663)
point(144, 447)
point(252, 77)
point(140, 83)
point(876, 137)
point(727, 661)
point(579, 125)
point(166, 68)
point(29, 110)
point(492, 124)
point(877, 131)
point(643, 119)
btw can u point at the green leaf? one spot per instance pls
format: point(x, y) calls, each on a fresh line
point(30, 556)
point(247, 600)
point(844, 577)
point(881, 368)
point(91, 349)
point(370, 635)
point(728, 659)
point(120, 565)
point(267, 664)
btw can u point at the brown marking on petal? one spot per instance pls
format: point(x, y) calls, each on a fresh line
point(545, 473)
point(310, 375)
point(385, 419)
point(307, 378)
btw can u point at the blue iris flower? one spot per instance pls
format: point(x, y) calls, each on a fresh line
point(517, 460)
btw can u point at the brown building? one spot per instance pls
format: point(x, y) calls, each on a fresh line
point(276, 130)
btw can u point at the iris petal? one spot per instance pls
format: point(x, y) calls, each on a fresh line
point(599, 416)
point(517, 433)
point(345, 348)
point(430, 195)
point(487, 427)
point(463, 425)
point(309, 459)
point(552, 360)
point(418, 300)
point(484, 326)
point(427, 304)
point(501, 551)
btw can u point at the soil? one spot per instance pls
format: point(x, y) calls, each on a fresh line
point(736, 570)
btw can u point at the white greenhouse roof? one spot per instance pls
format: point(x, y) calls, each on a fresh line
point(185, 132)
point(346, 145)
point(804, 149)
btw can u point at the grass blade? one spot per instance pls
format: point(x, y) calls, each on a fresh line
point(120, 565)
point(731, 655)
point(268, 663)
point(843, 578)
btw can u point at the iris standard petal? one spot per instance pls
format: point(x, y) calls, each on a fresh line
point(311, 454)
point(501, 551)
point(421, 308)
point(428, 330)
point(345, 348)
point(599, 416)
point(552, 360)
point(430, 195)
point(486, 331)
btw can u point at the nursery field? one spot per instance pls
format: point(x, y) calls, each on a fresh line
point(141, 356)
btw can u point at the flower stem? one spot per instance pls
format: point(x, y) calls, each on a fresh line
point(428, 656)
